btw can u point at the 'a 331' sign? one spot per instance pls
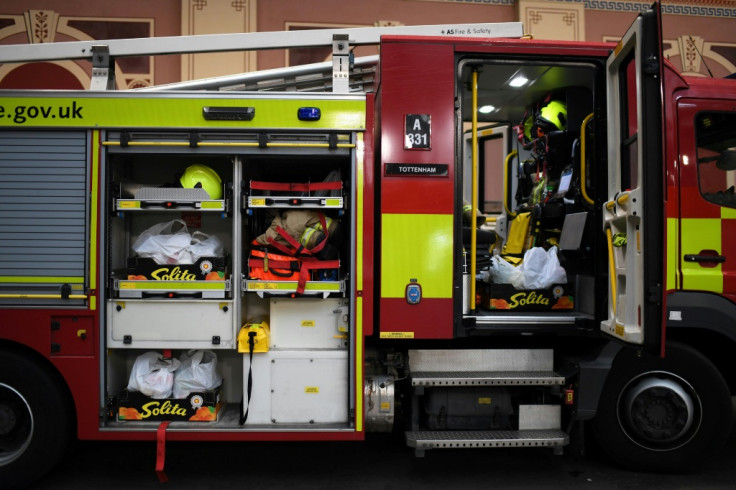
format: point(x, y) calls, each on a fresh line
point(417, 132)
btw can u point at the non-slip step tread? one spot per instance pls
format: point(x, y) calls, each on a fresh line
point(486, 378)
point(491, 438)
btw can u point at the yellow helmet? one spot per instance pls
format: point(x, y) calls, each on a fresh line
point(197, 175)
point(553, 116)
point(527, 124)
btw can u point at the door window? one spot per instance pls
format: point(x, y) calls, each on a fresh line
point(716, 147)
point(630, 129)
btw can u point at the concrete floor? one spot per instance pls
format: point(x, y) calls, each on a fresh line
point(378, 463)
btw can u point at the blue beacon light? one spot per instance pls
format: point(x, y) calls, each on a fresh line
point(309, 114)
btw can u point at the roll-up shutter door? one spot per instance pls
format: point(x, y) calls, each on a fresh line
point(43, 209)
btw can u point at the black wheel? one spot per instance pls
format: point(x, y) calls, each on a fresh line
point(663, 414)
point(35, 420)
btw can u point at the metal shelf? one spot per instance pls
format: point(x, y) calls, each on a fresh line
point(295, 202)
point(173, 289)
point(273, 288)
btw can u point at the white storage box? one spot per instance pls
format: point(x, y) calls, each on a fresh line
point(177, 324)
point(298, 387)
point(309, 323)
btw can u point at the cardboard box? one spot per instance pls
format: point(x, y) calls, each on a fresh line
point(197, 407)
point(507, 297)
point(205, 269)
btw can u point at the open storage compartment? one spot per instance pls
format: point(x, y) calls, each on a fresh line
point(170, 242)
point(297, 223)
point(169, 309)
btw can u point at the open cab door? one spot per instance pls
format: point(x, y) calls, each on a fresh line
point(633, 213)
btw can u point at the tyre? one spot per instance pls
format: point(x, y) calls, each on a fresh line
point(663, 415)
point(35, 420)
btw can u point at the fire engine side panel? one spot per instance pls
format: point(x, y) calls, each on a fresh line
point(69, 110)
point(48, 200)
point(417, 83)
point(79, 359)
point(32, 328)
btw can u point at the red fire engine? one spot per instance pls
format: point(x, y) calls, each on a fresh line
point(478, 240)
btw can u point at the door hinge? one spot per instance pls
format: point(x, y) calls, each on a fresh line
point(651, 65)
point(655, 294)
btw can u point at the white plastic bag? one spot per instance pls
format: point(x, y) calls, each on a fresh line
point(197, 372)
point(203, 245)
point(153, 375)
point(542, 269)
point(171, 243)
point(503, 272)
point(165, 243)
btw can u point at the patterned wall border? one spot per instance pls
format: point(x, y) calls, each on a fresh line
point(42, 26)
point(696, 8)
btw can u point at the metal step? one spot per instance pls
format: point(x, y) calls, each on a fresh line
point(478, 360)
point(423, 440)
point(517, 319)
point(486, 378)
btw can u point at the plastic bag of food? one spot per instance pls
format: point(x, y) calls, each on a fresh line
point(503, 272)
point(197, 372)
point(203, 245)
point(165, 243)
point(153, 375)
point(541, 269)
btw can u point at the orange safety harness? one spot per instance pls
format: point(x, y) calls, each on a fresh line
point(299, 259)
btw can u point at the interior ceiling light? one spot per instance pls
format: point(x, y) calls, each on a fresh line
point(518, 81)
point(486, 109)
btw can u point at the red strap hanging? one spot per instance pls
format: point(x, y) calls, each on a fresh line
point(310, 265)
point(161, 451)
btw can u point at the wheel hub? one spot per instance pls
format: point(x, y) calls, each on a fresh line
point(8, 419)
point(659, 409)
point(16, 424)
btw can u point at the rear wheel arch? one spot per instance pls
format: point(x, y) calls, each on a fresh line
point(37, 416)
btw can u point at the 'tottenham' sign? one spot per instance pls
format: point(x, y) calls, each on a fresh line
point(417, 169)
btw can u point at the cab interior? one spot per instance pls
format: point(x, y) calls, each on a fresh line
point(535, 141)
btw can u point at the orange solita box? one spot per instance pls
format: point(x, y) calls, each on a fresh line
point(196, 407)
point(205, 269)
point(507, 297)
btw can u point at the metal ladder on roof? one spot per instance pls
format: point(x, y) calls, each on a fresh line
point(313, 77)
point(102, 53)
